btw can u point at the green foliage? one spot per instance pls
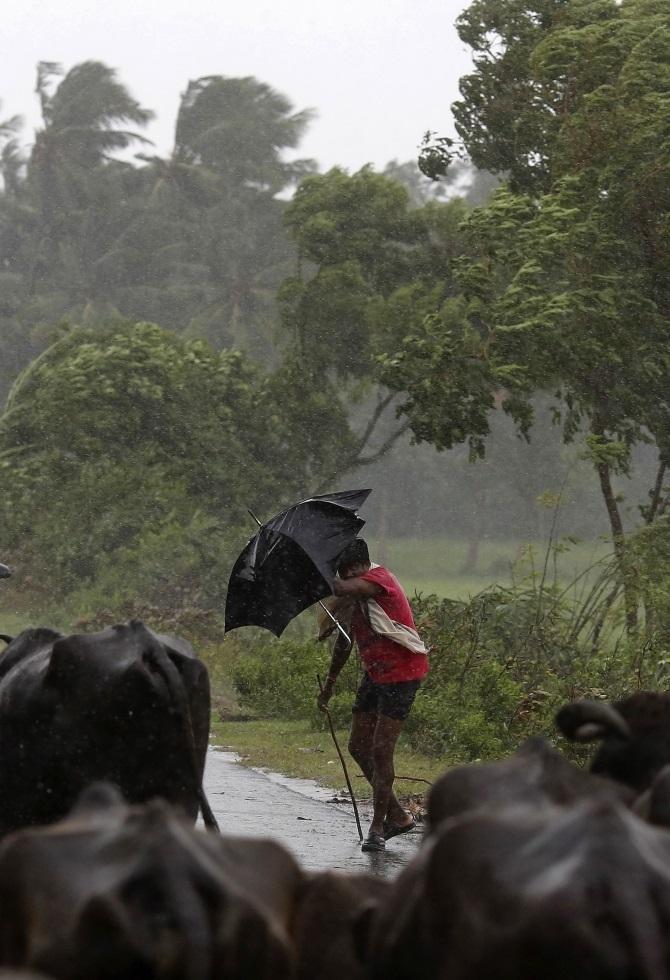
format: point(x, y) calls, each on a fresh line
point(564, 273)
point(129, 456)
point(277, 679)
point(506, 119)
point(370, 266)
point(650, 556)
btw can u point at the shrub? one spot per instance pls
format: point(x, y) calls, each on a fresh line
point(277, 678)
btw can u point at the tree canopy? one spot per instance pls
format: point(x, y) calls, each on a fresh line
point(565, 278)
point(113, 437)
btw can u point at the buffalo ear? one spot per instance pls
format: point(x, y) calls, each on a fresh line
point(587, 721)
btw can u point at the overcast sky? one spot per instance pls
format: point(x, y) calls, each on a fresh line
point(378, 72)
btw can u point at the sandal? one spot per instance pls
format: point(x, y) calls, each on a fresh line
point(373, 842)
point(393, 830)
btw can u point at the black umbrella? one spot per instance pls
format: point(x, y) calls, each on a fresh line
point(290, 563)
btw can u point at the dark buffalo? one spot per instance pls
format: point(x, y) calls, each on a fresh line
point(581, 891)
point(125, 705)
point(536, 775)
point(634, 735)
point(23, 975)
point(335, 914)
point(121, 893)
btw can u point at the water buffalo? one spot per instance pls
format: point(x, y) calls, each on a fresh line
point(335, 914)
point(125, 705)
point(527, 892)
point(23, 975)
point(117, 893)
point(536, 775)
point(634, 732)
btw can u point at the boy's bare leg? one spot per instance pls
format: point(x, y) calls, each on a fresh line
point(386, 735)
point(362, 742)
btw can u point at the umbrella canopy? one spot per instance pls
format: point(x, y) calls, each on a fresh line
point(290, 563)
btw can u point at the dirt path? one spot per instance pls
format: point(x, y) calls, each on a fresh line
point(321, 835)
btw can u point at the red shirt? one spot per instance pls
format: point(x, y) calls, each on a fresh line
point(386, 661)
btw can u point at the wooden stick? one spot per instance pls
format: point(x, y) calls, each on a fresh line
point(344, 765)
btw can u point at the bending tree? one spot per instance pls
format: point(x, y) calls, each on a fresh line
point(565, 285)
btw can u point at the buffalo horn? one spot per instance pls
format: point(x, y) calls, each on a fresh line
point(585, 721)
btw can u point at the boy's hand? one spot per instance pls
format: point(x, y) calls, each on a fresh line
point(325, 695)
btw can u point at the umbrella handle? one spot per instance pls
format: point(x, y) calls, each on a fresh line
point(344, 765)
point(336, 622)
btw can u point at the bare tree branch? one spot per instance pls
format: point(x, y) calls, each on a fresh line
point(382, 402)
point(384, 448)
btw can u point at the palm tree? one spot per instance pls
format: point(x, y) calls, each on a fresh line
point(208, 241)
point(82, 116)
point(240, 128)
point(71, 168)
point(11, 160)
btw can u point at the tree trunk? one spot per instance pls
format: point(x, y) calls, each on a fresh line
point(471, 559)
point(654, 510)
point(656, 494)
point(619, 542)
point(472, 556)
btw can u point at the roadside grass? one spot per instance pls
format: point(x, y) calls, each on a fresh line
point(295, 749)
point(12, 623)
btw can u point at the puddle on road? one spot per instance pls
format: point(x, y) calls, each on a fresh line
point(296, 812)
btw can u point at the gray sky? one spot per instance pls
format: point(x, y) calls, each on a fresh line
point(377, 72)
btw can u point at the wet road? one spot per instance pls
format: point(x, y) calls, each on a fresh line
point(321, 835)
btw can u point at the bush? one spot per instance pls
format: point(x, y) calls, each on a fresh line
point(277, 679)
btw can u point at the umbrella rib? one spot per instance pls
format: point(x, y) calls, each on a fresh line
point(270, 550)
point(281, 535)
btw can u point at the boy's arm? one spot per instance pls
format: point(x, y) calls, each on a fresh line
point(341, 652)
point(358, 588)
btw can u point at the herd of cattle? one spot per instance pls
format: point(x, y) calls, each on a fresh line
point(530, 868)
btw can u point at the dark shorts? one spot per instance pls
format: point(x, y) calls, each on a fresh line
point(392, 700)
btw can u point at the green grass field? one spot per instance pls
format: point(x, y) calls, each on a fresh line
point(12, 623)
point(439, 565)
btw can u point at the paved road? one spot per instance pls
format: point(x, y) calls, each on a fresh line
point(321, 835)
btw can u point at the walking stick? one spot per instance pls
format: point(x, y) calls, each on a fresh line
point(344, 765)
